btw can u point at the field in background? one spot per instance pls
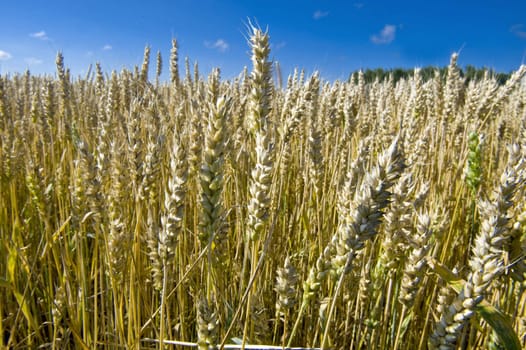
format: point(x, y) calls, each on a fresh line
point(383, 215)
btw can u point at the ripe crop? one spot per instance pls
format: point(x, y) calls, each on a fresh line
point(205, 212)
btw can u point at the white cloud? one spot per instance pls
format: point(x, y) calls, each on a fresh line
point(386, 36)
point(39, 35)
point(32, 61)
point(280, 45)
point(358, 5)
point(107, 47)
point(220, 45)
point(320, 14)
point(4, 56)
point(518, 30)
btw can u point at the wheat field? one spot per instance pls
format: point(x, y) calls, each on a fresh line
point(251, 212)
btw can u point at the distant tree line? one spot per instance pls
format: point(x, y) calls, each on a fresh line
point(469, 73)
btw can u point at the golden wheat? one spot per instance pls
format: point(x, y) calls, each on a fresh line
point(345, 214)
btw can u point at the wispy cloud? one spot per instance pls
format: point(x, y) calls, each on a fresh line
point(518, 30)
point(220, 45)
point(386, 35)
point(4, 56)
point(39, 35)
point(358, 5)
point(279, 45)
point(320, 14)
point(107, 47)
point(32, 61)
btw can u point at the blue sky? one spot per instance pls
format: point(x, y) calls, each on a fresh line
point(335, 37)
